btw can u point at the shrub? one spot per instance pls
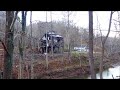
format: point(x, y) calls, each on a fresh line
point(78, 56)
point(75, 55)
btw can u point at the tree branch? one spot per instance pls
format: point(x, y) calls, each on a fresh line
point(99, 27)
point(108, 28)
point(13, 21)
point(116, 20)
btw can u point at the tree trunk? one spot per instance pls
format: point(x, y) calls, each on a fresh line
point(91, 60)
point(22, 43)
point(8, 56)
point(103, 46)
point(32, 59)
point(69, 45)
point(51, 36)
point(46, 43)
point(101, 62)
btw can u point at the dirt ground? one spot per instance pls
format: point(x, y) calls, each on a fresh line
point(59, 67)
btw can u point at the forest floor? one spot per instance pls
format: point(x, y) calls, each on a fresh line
point(61, 68)
point(78, 67)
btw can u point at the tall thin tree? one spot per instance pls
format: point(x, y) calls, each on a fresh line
point(8, 56)
point(22, 44)
point(51, 36)
point(46, 44)
point(91, 60)
point(32, 70)
point(103, 45)
point(68, 33)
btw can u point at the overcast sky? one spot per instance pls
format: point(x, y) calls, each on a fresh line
point(79, 18)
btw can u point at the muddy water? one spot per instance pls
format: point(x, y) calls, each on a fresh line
point(110, 73)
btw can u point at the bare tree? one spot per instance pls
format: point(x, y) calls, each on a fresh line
point(22, 43)
point(69, 45)
point(103, 46)
point(51, 36)
point(91, 60)
point(9, 45)
point(32, 70)
point(67, 14)
point(46, 44)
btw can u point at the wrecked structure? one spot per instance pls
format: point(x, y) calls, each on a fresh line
point(53, 43)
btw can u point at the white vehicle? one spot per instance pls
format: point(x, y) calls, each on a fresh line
point(81, 49)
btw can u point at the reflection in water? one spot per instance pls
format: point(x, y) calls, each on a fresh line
point(107, 74)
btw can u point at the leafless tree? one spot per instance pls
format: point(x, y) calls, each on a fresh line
point(32, 59)
point(51, 36)
point(46, 44)
point(22, 44)
point(9, 45)
point(103, 46)
point(91, 60)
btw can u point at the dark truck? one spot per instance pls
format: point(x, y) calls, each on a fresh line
point(55, 42)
